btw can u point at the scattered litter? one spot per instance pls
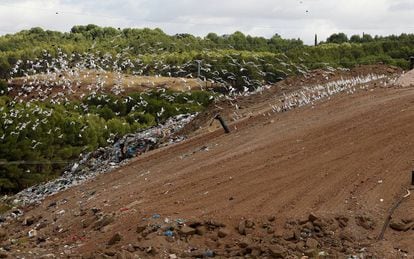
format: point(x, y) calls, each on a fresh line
point(61, 212)
point(106, 159)
point(168, 233)
point(32, 233)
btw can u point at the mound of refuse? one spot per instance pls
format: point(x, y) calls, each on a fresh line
point(106, 159)
point(406, 79)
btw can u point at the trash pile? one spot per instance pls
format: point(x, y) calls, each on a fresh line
point(106, 159)
point(310, 94)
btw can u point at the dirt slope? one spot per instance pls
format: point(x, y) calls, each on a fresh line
point(313, 181)
point(75, 86)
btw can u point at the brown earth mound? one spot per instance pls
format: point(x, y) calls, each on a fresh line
point(316, 181)
point(246, 106)
point(78, 85)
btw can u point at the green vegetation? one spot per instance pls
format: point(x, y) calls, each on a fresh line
point(339, 50)
point(45, 132)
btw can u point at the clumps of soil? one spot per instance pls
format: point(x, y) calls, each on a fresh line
point(310, 237)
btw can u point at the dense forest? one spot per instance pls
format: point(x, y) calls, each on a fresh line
point(59, 131)
point(338, 50)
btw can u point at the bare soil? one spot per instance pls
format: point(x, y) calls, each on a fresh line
point(99, 81)
point(314, 181)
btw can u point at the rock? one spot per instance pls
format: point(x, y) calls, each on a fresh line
point(310, 252)
point(291, 246)
point(271, 218)
point(201, 230)
point(141, 228)
point(270, 231)
point(322, 224)
point(28, 221)
point(256, 251)
point(300, 246)
point(87, 222)
point(215, 224)
point(343, 221)
point(124, 255)
point(298, 234)
point(40, 239)
point(277, 251)
point(365, 222)
point(312, 217)
point(312, 243)
point(309, 226)
point(194, 224)
point(130, 248)
point(288, 235)
point(114, 239)
point(249, 223)
point(244, 242)
point(41, 225)
point(52, 204)
point(104, 221)
point(407, 220)
point(95, 210)
point(110, 253)
point(187, 231)
point(242, 227)
point(223, 233)
point(347, 236)
point(400, 226)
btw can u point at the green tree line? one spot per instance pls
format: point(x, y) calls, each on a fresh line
point(337, 50)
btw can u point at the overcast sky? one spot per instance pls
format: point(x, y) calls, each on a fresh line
point(289, 18)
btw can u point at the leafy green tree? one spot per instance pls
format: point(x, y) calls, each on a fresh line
point(337, 38)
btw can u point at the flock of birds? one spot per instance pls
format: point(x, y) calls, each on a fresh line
point(310, 94)
point(57, 79)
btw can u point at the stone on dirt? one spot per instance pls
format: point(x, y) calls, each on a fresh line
point(400, 225)
point(104, 221)
point(312, 243)
point(114, 239)
point(187, 231)
point(223, 232)
point(277, 251)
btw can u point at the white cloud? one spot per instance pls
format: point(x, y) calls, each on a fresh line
point(289, 18)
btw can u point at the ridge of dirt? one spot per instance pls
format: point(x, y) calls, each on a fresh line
point(75, 86)
point(317, 181)
point(245, 106)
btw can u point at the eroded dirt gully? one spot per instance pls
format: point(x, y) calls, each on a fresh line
point(316, 181)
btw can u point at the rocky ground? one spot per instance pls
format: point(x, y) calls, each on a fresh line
point(313, 168)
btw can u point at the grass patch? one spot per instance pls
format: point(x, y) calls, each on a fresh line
point(4, 207)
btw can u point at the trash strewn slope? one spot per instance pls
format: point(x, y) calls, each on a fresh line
point(316, 180)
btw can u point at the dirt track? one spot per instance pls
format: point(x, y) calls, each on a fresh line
point(347, 157)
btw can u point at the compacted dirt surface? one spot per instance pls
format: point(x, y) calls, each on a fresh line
point(318, 181)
